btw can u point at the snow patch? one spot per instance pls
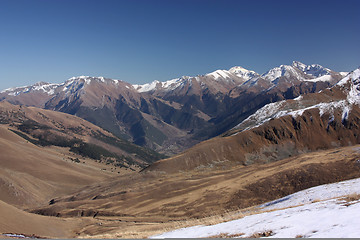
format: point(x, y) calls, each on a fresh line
point(264, 114)
point(277, 110)
point(298, 98)
point(220, 75)
point(12, 235)
point(48, 88)
point(168, 85)
point(314, 70)
point(282, 70)
point(318, 193)
point(353, 76)
point(325, 78)
point(174, 83)
point(243, 73)
point(146, 87)
point(316, 212)
point(344, 74)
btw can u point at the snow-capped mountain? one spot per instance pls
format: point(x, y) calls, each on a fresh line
point(280, 129)
point(349, 86)
point(314, 70)
point(283, 71)
point(243, 73)
point(302, 72)
point(173, 115)
point(286, 76)
point(240, 76)
point(217, 81)
point(166, 86)
point(48, 88)
point(34, 95)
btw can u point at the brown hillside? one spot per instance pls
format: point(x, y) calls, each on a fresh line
point(32, 175)
point(48, 127)
point(15, 221)
point(274, 140)
point(150, 201)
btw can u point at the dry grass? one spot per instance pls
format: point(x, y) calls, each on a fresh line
point(145, 230)
point(201, 193)
point(315, 201)
point(350, 199)
point(226, 235)
point(154, 204)
point(262, 234)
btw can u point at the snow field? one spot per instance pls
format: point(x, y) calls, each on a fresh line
point(318, 212)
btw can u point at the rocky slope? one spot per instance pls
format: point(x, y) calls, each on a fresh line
point(49, 128)
point(311, 122)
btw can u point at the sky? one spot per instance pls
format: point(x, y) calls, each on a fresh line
point(139, 41)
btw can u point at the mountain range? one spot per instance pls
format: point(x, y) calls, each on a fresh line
point(174, 115)
point(313, 121)
point(233, 139)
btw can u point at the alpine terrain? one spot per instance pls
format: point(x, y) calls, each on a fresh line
point(84, 156)
point(172, 116)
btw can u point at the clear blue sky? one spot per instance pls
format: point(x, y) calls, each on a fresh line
point(139, 41)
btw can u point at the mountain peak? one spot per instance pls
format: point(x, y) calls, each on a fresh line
point(353, 76)
point(282, 70)
point(243, 73)
point(87, 80)
point(219, 74)
point(299, 65)
point(314, 70)
point(45, 87)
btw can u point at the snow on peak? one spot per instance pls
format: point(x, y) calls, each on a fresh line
point(353, 94)
point(175, 83)
point(352, 77)
point(220, 75)
point(87, 80)
point(167, 85)
point(147, 87)
point(77, 83)
point(243, 73)
point(299, 65)
point(314, 70)
point(351, 83)
point(282, 70)
point(48, 88)
point(79, 78)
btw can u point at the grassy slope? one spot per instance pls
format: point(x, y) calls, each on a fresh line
point(16, 221)
point(32, 175)
point(154, 201)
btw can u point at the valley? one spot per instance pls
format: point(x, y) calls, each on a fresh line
point(146, 204)
point(172, 116)
point(83, 154)
point(179, 119)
